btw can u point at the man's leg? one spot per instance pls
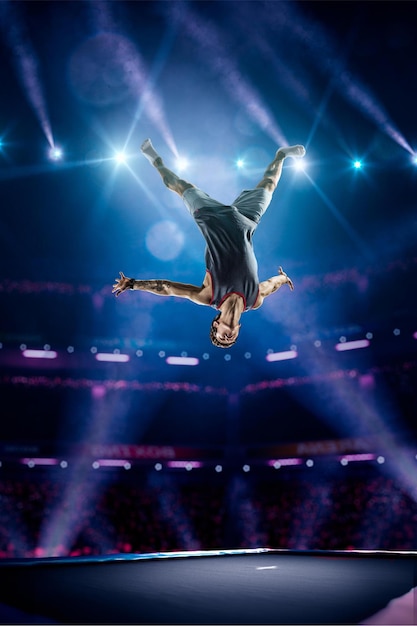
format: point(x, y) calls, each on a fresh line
point(273, 172)
point(171, 180)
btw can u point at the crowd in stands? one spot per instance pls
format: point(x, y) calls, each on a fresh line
point(42, 516)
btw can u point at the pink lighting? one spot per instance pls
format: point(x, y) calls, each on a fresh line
point(352, 345)
point(38, 461)
point(113, 357)
point(358, 457)
point(282, 356)
point(182, 360)
point(98, 392)
point(113, 463)
point(40, 354)
point(282, 462)
point(184, 464)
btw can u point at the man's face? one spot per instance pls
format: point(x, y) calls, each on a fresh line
point(226, 333)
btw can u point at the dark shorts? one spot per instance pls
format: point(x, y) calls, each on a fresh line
point(251, 203)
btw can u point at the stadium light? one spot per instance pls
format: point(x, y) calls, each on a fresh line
point(299, 164)
point(39, 354)
point(113, 357)
point(120, 157)
point(182, 360)
point(56, 153)
point(181, 164)
point(282, 356)
point(352, 345)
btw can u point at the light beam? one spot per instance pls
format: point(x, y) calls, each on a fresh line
point(26, 64)
point(213, 52)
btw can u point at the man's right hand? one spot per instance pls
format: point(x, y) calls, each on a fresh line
point(288, 279)
point(122, 284)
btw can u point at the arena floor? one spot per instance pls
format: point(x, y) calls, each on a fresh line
point(258, 586)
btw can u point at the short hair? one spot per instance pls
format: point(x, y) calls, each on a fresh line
point(213, 333)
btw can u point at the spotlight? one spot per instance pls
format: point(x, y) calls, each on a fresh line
point(299, 164)
point(55, 153)
point(357, 164)
point(182, 164)
point(413, 158)
point(120, 157)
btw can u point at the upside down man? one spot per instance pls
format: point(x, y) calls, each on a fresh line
point(231, 284)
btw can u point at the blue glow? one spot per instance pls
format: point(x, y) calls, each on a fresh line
point(357, 165)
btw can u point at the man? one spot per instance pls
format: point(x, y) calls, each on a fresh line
point(231, 283)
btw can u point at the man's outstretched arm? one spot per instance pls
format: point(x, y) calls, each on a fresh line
point(274, 283)
point(161, 287)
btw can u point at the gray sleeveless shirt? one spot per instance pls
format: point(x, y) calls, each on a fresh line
point(229, 255)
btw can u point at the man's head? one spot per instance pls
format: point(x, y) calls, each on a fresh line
point(223, 335)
